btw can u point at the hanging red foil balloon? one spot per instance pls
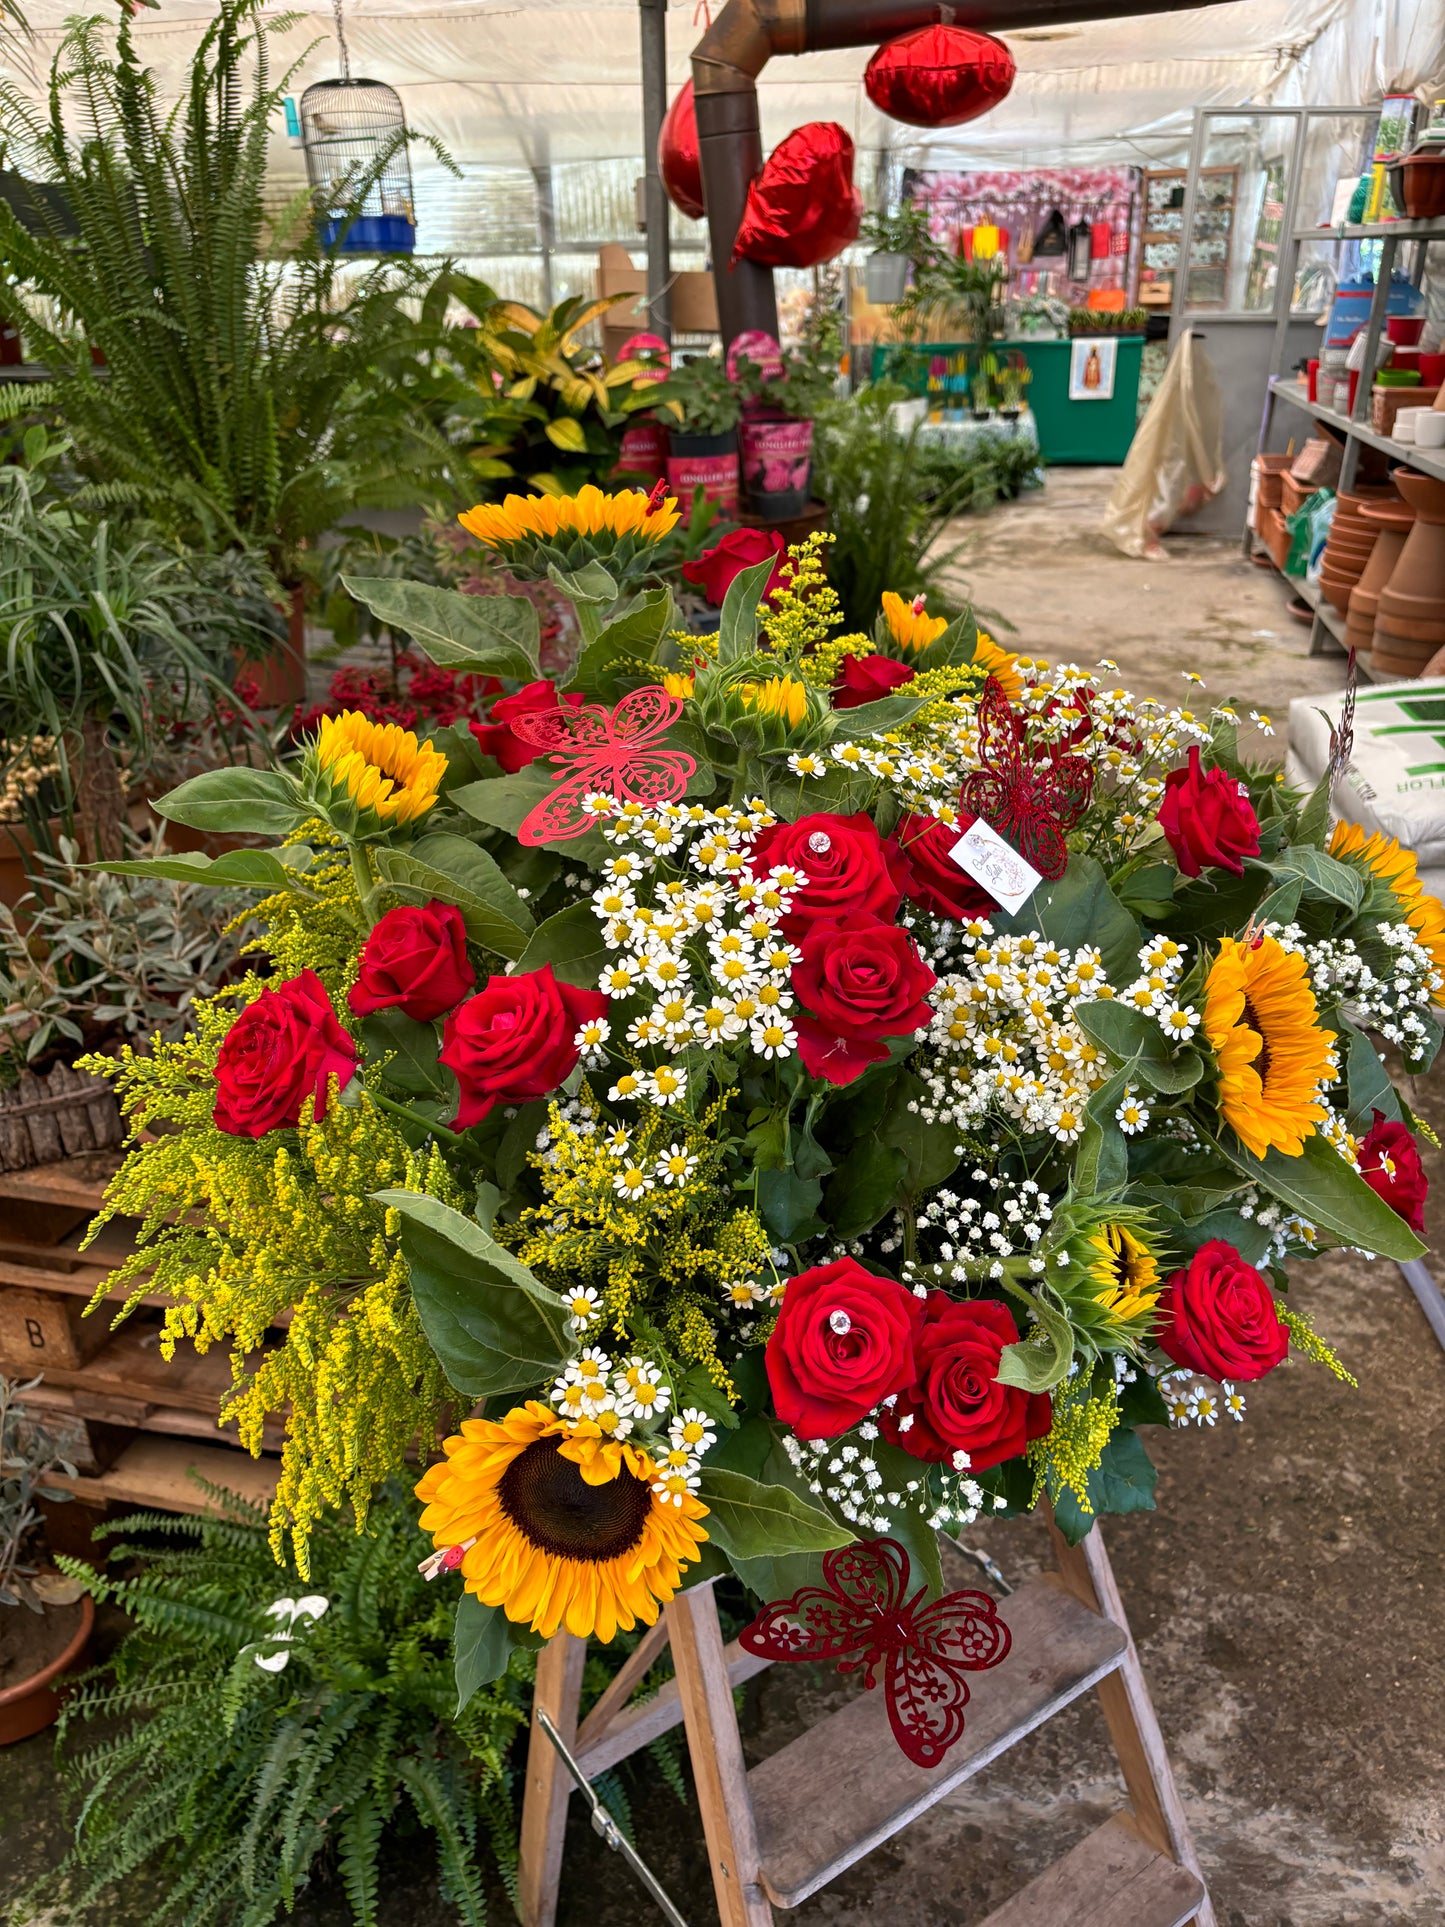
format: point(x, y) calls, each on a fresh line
point(803, 207)
point(939, 76)
point(678, 160)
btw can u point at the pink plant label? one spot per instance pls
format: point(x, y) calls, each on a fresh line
point(776, 455)
point(761, 349)
point(715, 475)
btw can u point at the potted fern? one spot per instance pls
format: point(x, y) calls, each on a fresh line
point(45, 1619)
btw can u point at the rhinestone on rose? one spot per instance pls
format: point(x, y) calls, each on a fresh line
point(820, 843)
point(840, 1322)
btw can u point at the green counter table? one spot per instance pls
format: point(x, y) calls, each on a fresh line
point(1069, 431)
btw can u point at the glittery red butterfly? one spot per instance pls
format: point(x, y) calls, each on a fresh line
point(616, 751)
point(1030, 799)
point(861, 1616)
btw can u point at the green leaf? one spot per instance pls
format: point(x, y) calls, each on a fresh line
point(591, 583)
point(864, 1187)
point(788, 1205)
point(628, 639)
point(1282, 904)
point(502, 802)
point(1323, 875)
point(1147, 891)
point(496, 634)
point(876, 719)
point(1079, 908)
point(1122, 1481)
point(1368, 1084)
point(738, 623)
point(481, 1646)
point(256, 802)
point(454, 870)
point(234, 869)
point(1101, 1163)
point(1132, 1037)
point(1314, 818)
point(930, 1151)
point(565, 432)
point(1035, 1366)
point(1322, 1188)
point(842, 792)
point(752, 1520)
point(494, 1328)
point(571, 941)
point(410, 1049)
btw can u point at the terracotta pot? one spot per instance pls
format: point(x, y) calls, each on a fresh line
point(35, 1703)
point(1365, 596)
point(1423, 179)
point(1392, 656)
point(1416, 588)
point(281, 676)
point(1269, 473)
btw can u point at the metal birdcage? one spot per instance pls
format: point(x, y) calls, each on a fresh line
point(354, 132)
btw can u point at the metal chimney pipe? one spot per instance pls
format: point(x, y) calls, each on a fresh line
point(732, 53)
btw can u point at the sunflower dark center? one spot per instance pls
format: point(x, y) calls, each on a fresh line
point(1261, 1063)
point(548, 1500)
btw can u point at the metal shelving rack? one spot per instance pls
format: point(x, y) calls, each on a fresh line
point(1328, 626)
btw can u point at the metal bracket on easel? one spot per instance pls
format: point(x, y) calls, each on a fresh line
point(604, 1824)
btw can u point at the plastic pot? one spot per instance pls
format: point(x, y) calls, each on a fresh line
point(708, 462)
point(35, 1703)
point(1423, 178)
point(777, 464)
point(643, 450)
point(887, 279)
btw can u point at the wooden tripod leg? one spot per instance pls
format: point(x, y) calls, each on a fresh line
point(717, 1758)
point(1133, 1723)
point(558, 1693)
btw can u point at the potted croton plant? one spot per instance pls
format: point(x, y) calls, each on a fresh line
point(45, 1621)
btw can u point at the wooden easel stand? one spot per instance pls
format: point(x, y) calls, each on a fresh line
point(780, 1831)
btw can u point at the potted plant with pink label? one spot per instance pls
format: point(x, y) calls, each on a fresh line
point(782, 396)
point(703, 446)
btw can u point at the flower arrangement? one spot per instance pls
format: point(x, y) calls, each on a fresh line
point(819, 1087)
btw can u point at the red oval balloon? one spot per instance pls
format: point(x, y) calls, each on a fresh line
point(803, 207)
point(678, 160)
point(939, 76)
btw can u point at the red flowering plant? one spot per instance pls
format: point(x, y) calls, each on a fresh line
point(800, 1119)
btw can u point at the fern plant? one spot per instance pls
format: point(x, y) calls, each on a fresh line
point(241, 1742)
point(221, 371)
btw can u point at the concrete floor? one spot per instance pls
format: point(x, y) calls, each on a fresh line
point(1286, 1597)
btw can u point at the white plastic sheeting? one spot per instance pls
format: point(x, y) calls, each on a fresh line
point(513, 86)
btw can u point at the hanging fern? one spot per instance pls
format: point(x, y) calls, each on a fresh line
point(232, 1788)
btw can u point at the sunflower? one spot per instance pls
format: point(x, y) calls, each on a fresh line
point(562, 1526)
point(370, 775)
point(908, 625)
point(1395, 865)
point(1001, 664)
point(1262, 1024)
point(1125, 1272)
point(528, 531)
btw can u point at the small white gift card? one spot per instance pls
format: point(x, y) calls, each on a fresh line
point(1007, 877)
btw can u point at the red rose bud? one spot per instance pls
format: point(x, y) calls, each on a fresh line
point(861, 981)
point(938, 884)
point(281, 1050)
point(848, 866)
point(1208, 819)
point(864, 679)
point(714, 569)
point(513, 1041)
point(955, 1402)
point(1218, 1316)
point(843, 1343)
point(495, 737)
point(1390, 1165)
point(414, 961)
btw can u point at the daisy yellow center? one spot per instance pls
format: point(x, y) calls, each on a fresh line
point(552, 1505)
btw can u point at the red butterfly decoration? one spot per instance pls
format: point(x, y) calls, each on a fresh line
point(861, 1616)
point(615, 751)
point(1029, 800)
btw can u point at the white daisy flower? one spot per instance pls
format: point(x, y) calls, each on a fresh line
point(773, 1036)
point(676, 1165)
point(665, 1086)
point(632, 1182)
point(628, 1086)
point(590, 1042)
point(693, 1430)
point(583, 1305)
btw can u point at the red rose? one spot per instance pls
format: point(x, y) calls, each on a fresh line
point(740, 549)
point(848, 866)
point(1219, 1317)
point(861, 981)
point(863, 679)
point(1208, 819)
point(843, 1342)
point(415, 961)
point(495, 737)
point(938, 882)
point(1390, 1165)
point(955, 1402)
point(280, 1051)
point(513, 1040)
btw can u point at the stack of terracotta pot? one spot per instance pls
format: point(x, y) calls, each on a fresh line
point(1392, 519)
point(1410, 615)
point(1351, 542)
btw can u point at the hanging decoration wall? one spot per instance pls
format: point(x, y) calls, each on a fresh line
point(939, 76)
point(803, 207)
point(678, 159)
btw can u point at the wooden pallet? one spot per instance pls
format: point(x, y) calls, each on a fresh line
point(156, 1472)
point(783, 1830)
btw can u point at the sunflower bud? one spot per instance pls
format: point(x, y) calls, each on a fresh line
point(369, 780)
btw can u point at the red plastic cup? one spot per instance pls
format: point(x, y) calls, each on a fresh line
point(1405, 329)
point(1432, 371)
point(1312, 376)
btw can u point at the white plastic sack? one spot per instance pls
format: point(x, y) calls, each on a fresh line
point(1395, 781)
point(1176, 462)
